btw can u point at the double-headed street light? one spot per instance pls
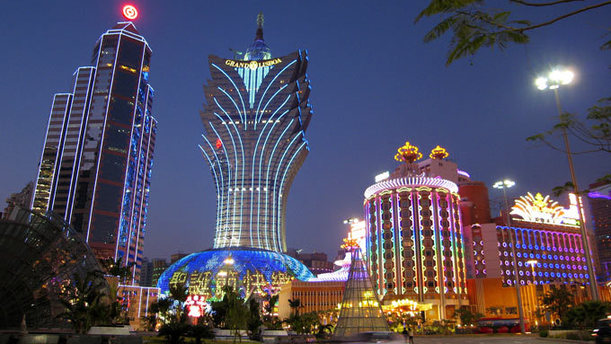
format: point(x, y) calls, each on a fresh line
point(503, 185)
point(556, 78)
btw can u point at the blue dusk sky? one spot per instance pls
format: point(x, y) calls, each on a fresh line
point(375, 84)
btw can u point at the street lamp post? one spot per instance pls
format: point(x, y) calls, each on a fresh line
point(532, 263)
point(553, 81)
point(503, 185)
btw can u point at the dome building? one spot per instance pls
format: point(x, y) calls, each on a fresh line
point(414, 233)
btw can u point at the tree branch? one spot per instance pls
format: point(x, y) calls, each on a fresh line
point(482, 17)
point(534, 4)
point(564, 16)
point(479, 16)
point(583, 137)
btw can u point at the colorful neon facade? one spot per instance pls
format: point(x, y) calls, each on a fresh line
point(558, 254)
point(544, 210)
point(97, 159)
point(414, 240)
point(548, 245)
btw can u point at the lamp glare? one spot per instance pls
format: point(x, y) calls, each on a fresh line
point(567, 77)
point(541, 83)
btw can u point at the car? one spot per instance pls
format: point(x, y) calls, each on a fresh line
point(602, 332)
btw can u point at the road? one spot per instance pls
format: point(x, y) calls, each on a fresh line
point(517, 339)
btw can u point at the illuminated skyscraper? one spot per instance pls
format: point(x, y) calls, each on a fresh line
point(255, 117)
point(97, 157)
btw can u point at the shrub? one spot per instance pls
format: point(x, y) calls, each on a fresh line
point(543, 333)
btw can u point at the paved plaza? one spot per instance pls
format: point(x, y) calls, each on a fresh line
point(517, 339)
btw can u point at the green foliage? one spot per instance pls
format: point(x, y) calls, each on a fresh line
point(295, 305)
point(179, 293)
point(474, 25)
point(307, 323)
point(269, 320)
point(444, 327)
point(254, 320)
point(221, 308)
point(199, 332)
point(271, 303)
point(324, 331)
point(594, 132)
point(174, 331)
point(171, 308)
point(149, 322)
point(231, 312)
point(586, 314)
point(467, 316)
point(543, 333)
point(87, 302)
point(558, 301)
point(117, 268)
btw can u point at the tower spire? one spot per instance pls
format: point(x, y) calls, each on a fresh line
point(260, 21)
point(258, 50)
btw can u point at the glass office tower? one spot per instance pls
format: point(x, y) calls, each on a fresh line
point(255, 118)
point(96, 163)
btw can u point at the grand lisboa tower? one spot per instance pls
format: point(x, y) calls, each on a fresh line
point(255, 117)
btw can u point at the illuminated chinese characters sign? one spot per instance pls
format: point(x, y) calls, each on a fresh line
point(252, 64)
point(206, 284)
point(541, 209)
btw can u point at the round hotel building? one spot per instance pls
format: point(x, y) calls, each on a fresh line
point(414, 240)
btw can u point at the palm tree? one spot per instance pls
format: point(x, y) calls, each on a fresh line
point(295, 304)
point(201, 331)
point(558, 301)
point(117, 268)
point(174, 331)
point(269, 308)
point(86, 302)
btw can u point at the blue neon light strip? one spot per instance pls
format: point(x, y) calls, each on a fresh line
point(282, 184)
point(277, 207)
point(216, 181)
point(227, 229)
point(235, 179)
point(239, 94)
point(243, 158)
point(271, 157)
point(220, 188)
point(258, 114)
point(255, 154)
point(252, 80)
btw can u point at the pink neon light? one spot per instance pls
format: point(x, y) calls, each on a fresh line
point(410, 182)
point(130, 12)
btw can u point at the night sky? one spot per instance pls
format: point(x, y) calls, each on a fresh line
point(375, 84)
